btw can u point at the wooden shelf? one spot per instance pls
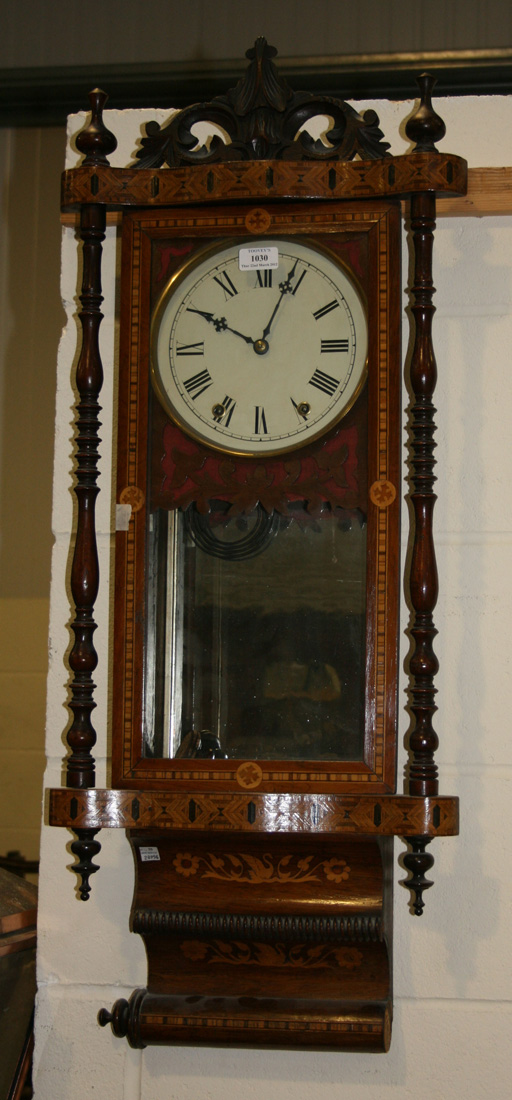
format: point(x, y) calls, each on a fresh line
point(489, 193)
point(379, 815)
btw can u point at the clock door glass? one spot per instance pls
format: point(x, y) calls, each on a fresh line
point(257, 634)
point(259, 361)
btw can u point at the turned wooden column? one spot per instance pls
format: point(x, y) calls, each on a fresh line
point(423, 582)
point(85, 570)
point(425, 128)
point(95, 142)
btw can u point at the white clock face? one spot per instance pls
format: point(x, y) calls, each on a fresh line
point(259, 361)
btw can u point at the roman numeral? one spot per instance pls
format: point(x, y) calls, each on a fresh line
point(231, 405)
point(260, 423)
point(333, 345)
point(302, 409)
point(228, 403)
point(264, 278)
point(226, 285)
point(297, 285)
point(324, 382)
point(190, 349)
point(325, 309)
point(198, 382)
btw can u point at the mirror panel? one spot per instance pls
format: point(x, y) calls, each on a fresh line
point(255, 643)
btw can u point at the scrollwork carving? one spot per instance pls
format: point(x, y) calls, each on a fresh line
point(326, 472)
point(262, 117)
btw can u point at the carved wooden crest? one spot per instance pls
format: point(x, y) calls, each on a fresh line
point(262, 117)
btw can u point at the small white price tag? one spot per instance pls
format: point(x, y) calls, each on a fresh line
point(149, 854)
point(123, 516)
point(258, 259)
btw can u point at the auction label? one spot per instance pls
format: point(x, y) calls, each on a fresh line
point(149, 854)
point(251, 259)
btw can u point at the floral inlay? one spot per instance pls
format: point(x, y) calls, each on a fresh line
point(245, 867)
point(315, 956)
point(186, 864)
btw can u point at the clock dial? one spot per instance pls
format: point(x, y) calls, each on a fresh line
point(264, 360)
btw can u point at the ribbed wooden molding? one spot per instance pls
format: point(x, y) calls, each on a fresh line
point(489, 193)
point(264, 928)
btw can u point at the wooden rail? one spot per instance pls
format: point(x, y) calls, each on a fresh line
point(489, 193)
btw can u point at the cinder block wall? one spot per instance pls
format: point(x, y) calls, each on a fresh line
point(31, 318)
point(452, 987)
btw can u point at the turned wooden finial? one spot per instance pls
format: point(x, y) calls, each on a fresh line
point(85, 847)
point(118, 1018)
point(425, 127)
point(418, 861)
point(95, 141)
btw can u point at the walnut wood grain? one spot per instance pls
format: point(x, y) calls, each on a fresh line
point(381, 815)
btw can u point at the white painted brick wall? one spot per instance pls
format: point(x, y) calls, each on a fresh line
point(452, 968)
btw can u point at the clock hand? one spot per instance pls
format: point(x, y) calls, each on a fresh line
point(248, 339)
point(220, 323)
point(207, 316)
point(285, 288)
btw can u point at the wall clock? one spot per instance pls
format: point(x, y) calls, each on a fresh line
point(257, 570)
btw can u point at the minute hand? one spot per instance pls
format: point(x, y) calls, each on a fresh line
point(220, 323)
point(285, 289)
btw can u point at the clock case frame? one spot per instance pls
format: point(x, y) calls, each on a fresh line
point(376, 231)
point(267, 916)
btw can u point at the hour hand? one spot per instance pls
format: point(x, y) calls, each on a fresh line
point(220, 324)
point(201, 312)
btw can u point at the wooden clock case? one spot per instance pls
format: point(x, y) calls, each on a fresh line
point(263, 887)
